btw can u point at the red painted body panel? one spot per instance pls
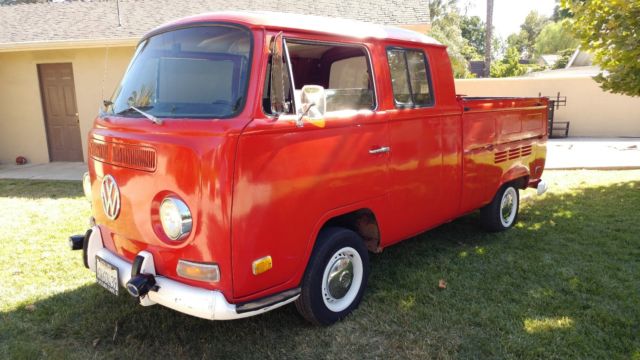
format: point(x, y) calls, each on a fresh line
point(258, 186)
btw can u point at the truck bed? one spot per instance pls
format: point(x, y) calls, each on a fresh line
point(502, 137)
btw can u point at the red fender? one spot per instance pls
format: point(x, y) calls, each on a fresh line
point(517, 171)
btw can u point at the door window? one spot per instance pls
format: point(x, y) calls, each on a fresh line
point(343, 70)
point(410, 78)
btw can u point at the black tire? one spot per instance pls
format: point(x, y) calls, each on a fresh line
point(315, 299)
point(491, 216)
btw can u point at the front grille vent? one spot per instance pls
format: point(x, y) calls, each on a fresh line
point(130, 156)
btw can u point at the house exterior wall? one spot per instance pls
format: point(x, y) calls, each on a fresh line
point(591, 111)
point(22, 126)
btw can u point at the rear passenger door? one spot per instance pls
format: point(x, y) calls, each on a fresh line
point(415, 167)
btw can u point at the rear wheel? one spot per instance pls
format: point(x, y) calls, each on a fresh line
point(502, 213)
point(336, 277)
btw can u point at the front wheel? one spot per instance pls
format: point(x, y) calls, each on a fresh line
point(502, 213)
point(336, 277)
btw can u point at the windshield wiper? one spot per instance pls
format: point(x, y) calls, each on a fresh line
point(153, 119)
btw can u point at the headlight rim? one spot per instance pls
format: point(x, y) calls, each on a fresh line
point(186, 219)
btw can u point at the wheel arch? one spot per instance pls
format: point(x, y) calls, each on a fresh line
point(361, 221)
point(518, 175)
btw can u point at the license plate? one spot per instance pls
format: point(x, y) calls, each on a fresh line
point(107, 275)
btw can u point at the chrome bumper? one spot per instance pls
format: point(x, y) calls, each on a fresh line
point(542, 187)
point(203, 303)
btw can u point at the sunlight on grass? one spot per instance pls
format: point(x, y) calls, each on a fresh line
point(541, 293)
point(567, 214)
point(563, 182)
point(574, 252)
point(408, 303)
point(34, 228)
point(546, 324)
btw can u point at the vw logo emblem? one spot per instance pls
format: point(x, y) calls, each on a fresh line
point(110, 195)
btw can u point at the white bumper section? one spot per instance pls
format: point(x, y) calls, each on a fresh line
point(203, 303)
point(542, 187)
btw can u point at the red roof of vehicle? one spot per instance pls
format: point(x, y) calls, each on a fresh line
point(308, 23)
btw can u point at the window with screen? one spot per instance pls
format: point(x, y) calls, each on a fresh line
point(410, 77)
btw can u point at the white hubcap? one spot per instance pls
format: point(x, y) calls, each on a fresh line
point(342, 279)
point(508, 206)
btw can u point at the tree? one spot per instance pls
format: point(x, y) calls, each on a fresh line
point(560, 13)
point(498, 47)
point(440, 8)
point(487, 39)
point(473, 30)
point(610, 30)
point(565, 55)
point(530, 29)
point(518, 41)
point(554, 38)
point(446, 29)
point(509, 65)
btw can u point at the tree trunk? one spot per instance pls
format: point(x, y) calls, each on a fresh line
point(488, 38)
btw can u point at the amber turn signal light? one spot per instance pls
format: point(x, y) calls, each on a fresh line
point(262, 265)
point(198, 271)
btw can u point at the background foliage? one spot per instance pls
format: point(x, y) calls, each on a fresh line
point(610, 30)
point(554, 38)
point(509, 65)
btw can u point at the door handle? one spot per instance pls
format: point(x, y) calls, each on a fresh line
point(380, 150)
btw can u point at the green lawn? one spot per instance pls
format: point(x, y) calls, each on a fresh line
point(565, 283)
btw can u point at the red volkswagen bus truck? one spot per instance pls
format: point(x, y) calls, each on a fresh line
point(249, 160)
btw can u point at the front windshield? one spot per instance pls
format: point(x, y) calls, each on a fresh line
point(196, 72)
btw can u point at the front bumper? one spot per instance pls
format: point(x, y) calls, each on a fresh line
point(203, 303)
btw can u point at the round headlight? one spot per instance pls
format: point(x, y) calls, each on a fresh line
point(86, 185)
point(175, 218)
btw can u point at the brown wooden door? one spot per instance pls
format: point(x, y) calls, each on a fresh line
point(60, 112)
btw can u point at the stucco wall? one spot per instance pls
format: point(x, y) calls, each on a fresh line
point(591, 111)
point(22, 127)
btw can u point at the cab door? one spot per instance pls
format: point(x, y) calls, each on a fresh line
point(415, 131)
point(289, 176)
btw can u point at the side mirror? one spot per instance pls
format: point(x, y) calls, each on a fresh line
point(278, 104)
point(313, 103)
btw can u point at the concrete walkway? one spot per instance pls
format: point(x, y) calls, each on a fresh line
point(50, 171)
point(570, 153)
point(593, 153)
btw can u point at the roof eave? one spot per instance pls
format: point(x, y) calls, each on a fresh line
point(67, 44)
